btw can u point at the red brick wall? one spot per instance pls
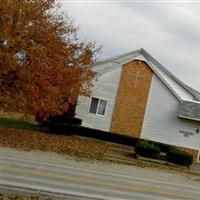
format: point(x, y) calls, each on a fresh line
point(132, 99)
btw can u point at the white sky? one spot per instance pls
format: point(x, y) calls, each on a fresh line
point(168, 30)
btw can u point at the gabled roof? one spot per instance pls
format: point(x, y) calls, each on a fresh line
point(180, 90)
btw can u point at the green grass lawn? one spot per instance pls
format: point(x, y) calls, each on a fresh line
point(15, 123)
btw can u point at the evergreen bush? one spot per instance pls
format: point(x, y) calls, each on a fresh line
point(61, 123)
point(179, 157)
point(147, 148)
point(163, 147)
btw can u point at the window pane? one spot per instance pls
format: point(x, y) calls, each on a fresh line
point(93, 105)
point(101, 107)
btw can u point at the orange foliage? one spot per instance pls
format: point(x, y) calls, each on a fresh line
point(44, 67)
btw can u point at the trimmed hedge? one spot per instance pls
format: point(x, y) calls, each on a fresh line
point(64, 120)
point(148, 149)
point(102, 135)
point(60, 123)
point(179, 157)
point(163, 147)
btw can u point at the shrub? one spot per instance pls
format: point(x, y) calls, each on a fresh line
point(60, 123)
point(64, 120)
point(180, 157)
point(105, 136)
point(163, 147)
point(147, 149)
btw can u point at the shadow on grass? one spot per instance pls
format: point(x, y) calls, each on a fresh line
point(14, 123)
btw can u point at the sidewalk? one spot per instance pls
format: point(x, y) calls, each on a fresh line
point(126, 155)
point(195, 167)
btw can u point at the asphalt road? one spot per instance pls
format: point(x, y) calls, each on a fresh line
point(96, 181)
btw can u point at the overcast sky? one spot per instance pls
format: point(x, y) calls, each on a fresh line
point(169, 31)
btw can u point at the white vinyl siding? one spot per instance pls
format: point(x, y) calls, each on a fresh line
point(161, 122)
point(106, 89)
point(178, 89)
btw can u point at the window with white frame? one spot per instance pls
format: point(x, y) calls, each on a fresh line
point(98, 106)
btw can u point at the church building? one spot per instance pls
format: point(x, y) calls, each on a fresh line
point(135, 95)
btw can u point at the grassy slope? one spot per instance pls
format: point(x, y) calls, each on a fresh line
point(26, 139)
point(15, 123)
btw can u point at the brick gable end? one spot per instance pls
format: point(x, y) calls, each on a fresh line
point(132, 98)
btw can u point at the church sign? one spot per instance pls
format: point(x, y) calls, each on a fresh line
point(186, 133)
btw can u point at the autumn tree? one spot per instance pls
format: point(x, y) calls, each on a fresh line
point(44, 66)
